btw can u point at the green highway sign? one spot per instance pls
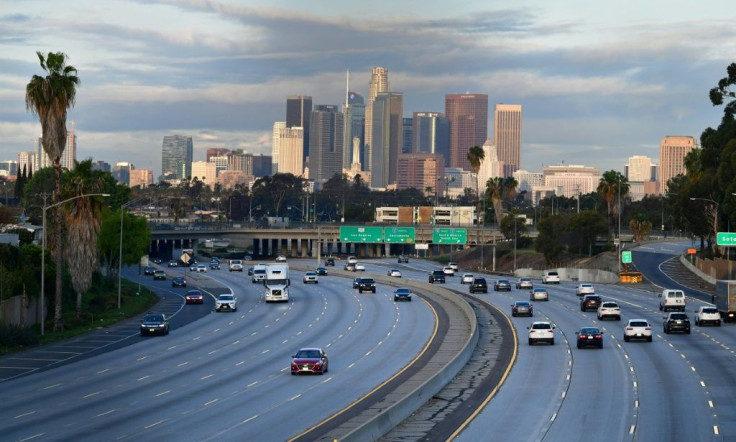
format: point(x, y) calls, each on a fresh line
point(399, 235)
point(361, 234)
point(626, 257)
point(449, 235)
point(726, 239)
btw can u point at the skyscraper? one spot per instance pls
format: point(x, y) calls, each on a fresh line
point(326, 143)
point(387, 137)
point(507, 133)
point(121, 172)
point(468, 115)
point(291, 143)
point(177, 152)
point(378, 83)
point(354, 120)
point(68, 157)
point(216, 152)
point(407, 143)
point(277, 126)
point(672, 152)
point(490, 167)
point(26, 162)
point(432, 134)
point(298, 109)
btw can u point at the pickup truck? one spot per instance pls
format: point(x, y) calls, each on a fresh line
point(366, 285)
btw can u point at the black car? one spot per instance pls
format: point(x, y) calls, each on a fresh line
point(522, 308)
point(479, 285)
point(157, 260)
point(590, 336)
point(356, 282)
point(321, 271)
point(154, 324)
point(402, 294)
point(366, 285)
point(173, 263)
point(403, 259)
point(178, 281)
point(590, 302)
point(502, 285)
point(330, 262)
point(676, 322)
point(148, 270)
point(215, 264)
point(437, 276)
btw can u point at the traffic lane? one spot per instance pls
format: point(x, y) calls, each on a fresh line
point(180, 371)
point(534, 390)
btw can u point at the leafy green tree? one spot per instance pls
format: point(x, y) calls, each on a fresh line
point(276, 192)
point(513, 222)
point(585, 227)
point(136, 240)
point(550, 241)
point(641, 227)
point(613, 187)
point(50, 98)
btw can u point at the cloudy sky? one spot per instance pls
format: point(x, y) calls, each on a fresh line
point(599, 81)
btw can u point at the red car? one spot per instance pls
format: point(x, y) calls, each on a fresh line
point(309, 360)
point(194, 297)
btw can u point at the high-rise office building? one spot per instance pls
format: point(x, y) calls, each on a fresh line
point(507, 134)
point(240, 161)
point(407, 128)
point(177, 152)
point(387, 138)
point(277, 126)
point(420, 171)
point(432, 134)
point(298, 110)
point(102, 166)
point(354, 120)
point(141, 177)
point(490, 167)
point(571, 180)
point(216, 152)
point(262, 165)
point(206, 172)
point(326, 143)
point(121, 172)
point(290, 155)
point(639, 168)
point(672, 153)
point(221, 162)
point(68, 157)
point(468, 115)
point(26, 162)
point(378, 83)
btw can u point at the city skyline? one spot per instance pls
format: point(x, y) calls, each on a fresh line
point(597, 84)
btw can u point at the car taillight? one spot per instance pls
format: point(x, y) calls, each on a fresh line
point(647, 328)
point(598, 336)
point(629, 328)
point(582, 336)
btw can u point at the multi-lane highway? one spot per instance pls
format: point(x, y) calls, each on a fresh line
point(225, 376)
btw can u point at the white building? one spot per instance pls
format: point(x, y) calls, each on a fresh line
point(490, 167)
point(205, 171)
point(528, 181)
point(571, 180)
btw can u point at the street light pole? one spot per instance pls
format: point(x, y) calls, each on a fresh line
point(619, 225)
point(43, 248)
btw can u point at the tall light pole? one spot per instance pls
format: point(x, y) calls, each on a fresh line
point(43, 248)
point(620, 249)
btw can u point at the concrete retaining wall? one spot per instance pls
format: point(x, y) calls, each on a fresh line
point(573, 274)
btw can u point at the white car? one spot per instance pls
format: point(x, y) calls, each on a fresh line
point(453, 265)
point(359, 267)
point(609, 309)
point(707, 314)
point(352, 260)
point(541, 331)
point(202, 268)
point(551, 277)
point(467, 278)
point(585, 289)
point(310, 278)
point(638, 329)
point(396, 273)
point(448, 271)
point(226, 302)
point(281, 258)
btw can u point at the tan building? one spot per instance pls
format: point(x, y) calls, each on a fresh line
point(141, 177)
point(672, 153)
point(228, 179)
point(507, 136)
point(206, 172)
point(290, 149)
point(571, 180)
point(468, 115)
point(420, 171)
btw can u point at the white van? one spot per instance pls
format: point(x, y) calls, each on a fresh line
point(259, 273)
point(672, 300)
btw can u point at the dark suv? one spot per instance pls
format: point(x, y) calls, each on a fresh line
point(329, 262)
point(437, 276)
point(676, 322)
point(366, 285)
point(590, 302)
point(403, 259)
point(479, 285)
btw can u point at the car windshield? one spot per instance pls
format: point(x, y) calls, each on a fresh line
point(311, 354)
point(503, 281)
point(589, 331)
point(367, 280)
point(479, 281)
point(539, 290)
point(709, 310)
point(609, 304)
point(402, 291)
point(522, 304)
point(310, 273)
point(639, 324)
point(541, 326)
point(678, 316)
point(226, 298)
point(153, 318)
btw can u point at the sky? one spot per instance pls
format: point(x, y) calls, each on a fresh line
point(599, 82)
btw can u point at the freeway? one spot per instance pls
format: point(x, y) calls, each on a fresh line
point(226, 375)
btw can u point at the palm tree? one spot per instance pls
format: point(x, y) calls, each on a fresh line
point(608, 189)
point(49, 98)
point(475, 157)
point(500, 189)
point(83, 225)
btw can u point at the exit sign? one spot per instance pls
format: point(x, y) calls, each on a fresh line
point(726, 239)
point(626, 257)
